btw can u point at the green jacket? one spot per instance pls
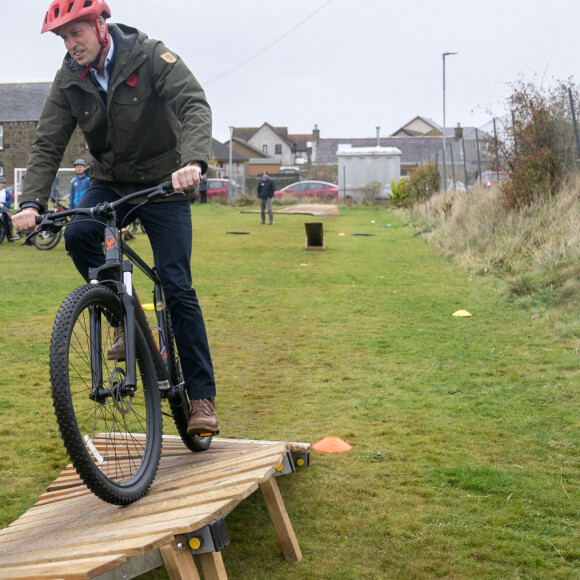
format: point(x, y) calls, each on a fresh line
point(156, 119)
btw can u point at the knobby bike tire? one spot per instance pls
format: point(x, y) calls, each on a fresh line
point(2, 230)
point(47, 240)
point(179, 404)
point(113, 439)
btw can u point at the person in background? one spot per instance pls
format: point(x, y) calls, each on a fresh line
point(5, 201)
point(79, 184)
point(202, 187)
point(265, 194)
point(146, 120)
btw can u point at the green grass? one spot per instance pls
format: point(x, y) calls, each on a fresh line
point(464, 430)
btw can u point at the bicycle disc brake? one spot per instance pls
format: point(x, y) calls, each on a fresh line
point(122, 395)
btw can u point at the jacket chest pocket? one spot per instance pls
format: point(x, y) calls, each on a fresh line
point(133, 91)
point(85, 109)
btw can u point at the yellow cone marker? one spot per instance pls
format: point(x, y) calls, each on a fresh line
point(462, 313)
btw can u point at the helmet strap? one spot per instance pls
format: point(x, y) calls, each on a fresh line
point(103, 40)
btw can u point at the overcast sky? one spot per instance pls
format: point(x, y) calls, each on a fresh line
point(346, 65)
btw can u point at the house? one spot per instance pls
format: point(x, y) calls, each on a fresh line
point(254, 158)
point(274, 143)
point(20, 108)
point(220, 160)
point(271, 141)
point(419, 127)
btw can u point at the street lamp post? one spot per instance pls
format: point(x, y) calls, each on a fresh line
point(444, 127)
point(230, 192)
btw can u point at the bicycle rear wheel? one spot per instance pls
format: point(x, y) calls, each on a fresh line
point(179, 404)
point(111, 432)
point(47, 240)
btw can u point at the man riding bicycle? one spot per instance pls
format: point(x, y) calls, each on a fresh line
point(146, 120)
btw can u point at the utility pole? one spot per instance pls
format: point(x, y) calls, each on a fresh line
point(444, 126)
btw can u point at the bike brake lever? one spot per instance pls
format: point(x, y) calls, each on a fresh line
point(49, 224)
point(164, 189)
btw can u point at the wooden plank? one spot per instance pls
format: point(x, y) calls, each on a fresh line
point(179, 562)
point(66, 570)
point(281, 521)
point(248, 473)
point(195, 495)
point(245, 462)
point(103, 534)
point(128, 547)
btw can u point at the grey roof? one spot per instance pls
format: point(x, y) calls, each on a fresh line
point(221, 152)
point(22, 101)
point(414, 150)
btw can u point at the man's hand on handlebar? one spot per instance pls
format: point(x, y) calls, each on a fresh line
point(186, 177)
point(25, 219)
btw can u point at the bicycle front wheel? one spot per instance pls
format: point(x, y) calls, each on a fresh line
point(47, 240)
point(111, 431)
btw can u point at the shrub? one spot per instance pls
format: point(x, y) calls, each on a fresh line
point(536, 143)
point(419, 185)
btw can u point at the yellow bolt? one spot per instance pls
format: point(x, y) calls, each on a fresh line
point(300, 462)
point(194, 543)
point(280, 467)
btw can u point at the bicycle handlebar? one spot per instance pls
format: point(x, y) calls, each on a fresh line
point(164, 189)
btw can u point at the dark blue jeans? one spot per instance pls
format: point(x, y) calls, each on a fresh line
point(168, 225)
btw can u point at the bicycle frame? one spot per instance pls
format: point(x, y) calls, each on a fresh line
point(122, 272)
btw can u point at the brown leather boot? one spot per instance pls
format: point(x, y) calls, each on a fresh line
point(202, 417)
point(117, 351)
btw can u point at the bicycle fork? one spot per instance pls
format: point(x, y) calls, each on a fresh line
point(124, 272)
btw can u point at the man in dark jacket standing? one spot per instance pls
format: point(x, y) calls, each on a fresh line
point(146, 120)
point(265, 194)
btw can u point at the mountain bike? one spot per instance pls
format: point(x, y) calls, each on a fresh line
point(109, 412)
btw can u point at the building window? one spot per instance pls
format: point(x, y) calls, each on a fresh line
point(1, 136)
point(264, 148)
point(278, 149)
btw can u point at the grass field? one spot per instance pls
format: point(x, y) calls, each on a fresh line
point(464, 430)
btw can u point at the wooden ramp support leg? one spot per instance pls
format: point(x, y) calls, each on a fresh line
point(281, 521)
point(178, 560)
point(212, 565)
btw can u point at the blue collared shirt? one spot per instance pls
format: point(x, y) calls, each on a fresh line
point(104, 81)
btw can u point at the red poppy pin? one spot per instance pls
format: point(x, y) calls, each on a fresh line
point(131, 80)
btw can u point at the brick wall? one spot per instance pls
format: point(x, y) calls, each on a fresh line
point(18, 138)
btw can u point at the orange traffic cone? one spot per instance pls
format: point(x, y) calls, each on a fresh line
point(332, 444)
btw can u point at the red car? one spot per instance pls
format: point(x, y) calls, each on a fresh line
point(309, 189)
point(217, 187)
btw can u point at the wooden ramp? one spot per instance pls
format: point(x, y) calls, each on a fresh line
point(71, 535)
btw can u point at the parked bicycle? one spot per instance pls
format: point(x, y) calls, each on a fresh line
point(4, 231)
point(46, 239)
point(109, 412)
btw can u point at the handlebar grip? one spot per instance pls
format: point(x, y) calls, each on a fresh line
point(38, 219)
point(167, 186)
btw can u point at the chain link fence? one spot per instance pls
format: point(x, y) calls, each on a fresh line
point(475, 156)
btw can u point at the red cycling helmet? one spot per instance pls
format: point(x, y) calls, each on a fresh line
point(63, 11)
